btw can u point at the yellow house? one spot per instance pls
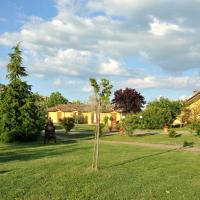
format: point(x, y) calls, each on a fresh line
point(69, 110)
point(192, 109)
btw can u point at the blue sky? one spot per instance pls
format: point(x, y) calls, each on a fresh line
point(148, 45)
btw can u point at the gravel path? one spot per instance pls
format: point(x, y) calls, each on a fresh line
point(160, 146)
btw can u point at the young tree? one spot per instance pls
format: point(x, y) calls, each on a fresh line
point(55, 99)
point(128, 100)
point(20, 115)
point(102, 92)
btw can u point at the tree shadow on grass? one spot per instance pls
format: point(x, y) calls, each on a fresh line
point(6, 171)
point(139, 158)
point(76, 135)
point(23, 153)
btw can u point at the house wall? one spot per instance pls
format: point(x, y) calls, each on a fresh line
point(195, 108)
point(195, 112)
point(53, 116)
point(195, 104)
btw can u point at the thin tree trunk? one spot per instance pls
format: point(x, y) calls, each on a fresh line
point(95, 145)
point(97, 139)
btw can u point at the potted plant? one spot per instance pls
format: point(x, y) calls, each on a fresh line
point(165, 128)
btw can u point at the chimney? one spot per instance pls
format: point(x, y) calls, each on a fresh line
point(195, 92)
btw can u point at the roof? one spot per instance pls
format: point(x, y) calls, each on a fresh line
point(77, 107)
point(193, 98)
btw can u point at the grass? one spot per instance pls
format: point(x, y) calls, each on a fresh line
point(155, 139)
point(78, 127)
point(63, 171)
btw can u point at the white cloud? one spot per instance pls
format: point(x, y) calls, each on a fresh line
point(112, 67)
point(87, 88)
point(169, 82)
point(80, 42)
point(57, 82)
point(159, 28)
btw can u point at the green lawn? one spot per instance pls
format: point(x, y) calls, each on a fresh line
point(155, 139)
point(78, 127)
point(62, 171)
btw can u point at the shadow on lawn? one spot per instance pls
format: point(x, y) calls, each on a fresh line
point(136, 159)
point(28, 152)
point(6, 171)
point(77, 135)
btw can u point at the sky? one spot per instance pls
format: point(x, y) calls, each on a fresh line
point(152, 46)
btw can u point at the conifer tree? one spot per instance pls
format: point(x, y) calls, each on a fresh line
point(21, 118)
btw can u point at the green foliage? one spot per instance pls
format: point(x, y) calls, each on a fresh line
point(155, 117)
point(130, 123)
point(76, 101)
point(188, 144)
point(102, 129)
point(79, 119)
point(174, 107)
point(55, 99)
point(21, 117)
point(105, 120)
point(15, 69)
point(101, 90)
point(195, 126)
point(68, 123)
point(160, 112)
point(172, 133)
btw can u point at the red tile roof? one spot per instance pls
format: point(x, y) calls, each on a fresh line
point(76, 107)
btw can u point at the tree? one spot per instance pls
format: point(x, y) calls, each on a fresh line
point(20, 115)
point(1, 87)
point(128, 100)
point(161, 111)
point(172, 105)
point(102, 92)
point(55, 99)
point(77, 101)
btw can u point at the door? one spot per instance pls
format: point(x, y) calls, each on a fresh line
point(59, 116)
point(114, 120)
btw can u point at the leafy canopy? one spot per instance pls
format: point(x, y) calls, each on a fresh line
point(128, 100)
point(55, 99)
point(102, 90)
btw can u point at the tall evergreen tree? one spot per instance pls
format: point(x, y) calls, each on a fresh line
point(21, 118)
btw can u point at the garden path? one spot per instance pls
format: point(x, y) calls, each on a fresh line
point(160, 146)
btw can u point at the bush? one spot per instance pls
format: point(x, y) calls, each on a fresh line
point(130, 123)
point(154, 117)
point(172, 133)
point(68, 123)
point(195, 126)
point(79, 119)
point(102, 129)
point(188, 144)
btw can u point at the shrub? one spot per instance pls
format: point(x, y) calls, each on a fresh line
point(102, 129)
point(79, 119)
point(195, 126)
point(188, 144)
point(172, 133)
point(129, 124)
point(105, 120)
point(68, 123)
point(154, 117)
